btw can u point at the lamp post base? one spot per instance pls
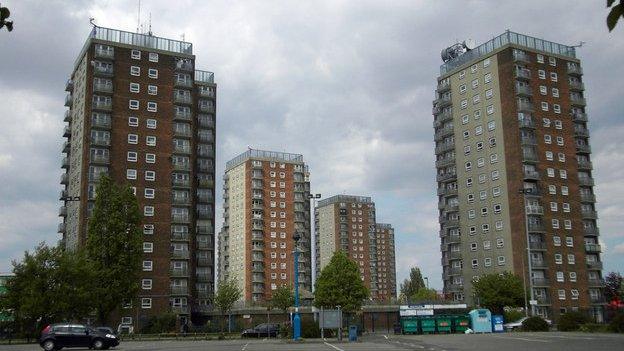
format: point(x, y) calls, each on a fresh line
point(296, 326)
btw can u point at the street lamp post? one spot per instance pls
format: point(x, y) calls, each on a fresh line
point(313, 197)
point(524, 192)
point(296, 317)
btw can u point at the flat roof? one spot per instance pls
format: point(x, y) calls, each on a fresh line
point(263, 155)
point(345, 198)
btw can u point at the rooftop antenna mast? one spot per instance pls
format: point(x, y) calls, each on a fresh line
point(150, 24)
point(139, 17)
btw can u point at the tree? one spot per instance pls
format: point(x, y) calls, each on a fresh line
point(424, 294)
point(282, 298)
point(410, 286)
point(494, 291)
point(339, 284)
point(4, 14)
point(49, 285)
point(614, 289)
point(228, 292)
point(614, 15)
point(114, 245)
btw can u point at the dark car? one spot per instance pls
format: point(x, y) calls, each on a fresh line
point(261, 330)
point(57, 336)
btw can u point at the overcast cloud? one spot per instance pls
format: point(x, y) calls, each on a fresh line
point(348, 84)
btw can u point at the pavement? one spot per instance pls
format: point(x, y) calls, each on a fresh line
point(516, 341)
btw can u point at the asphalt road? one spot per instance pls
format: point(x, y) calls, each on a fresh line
point(551, 341)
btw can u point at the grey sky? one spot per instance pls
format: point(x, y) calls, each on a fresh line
point(348, 84)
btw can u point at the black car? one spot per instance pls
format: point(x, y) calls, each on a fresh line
point(261, 330)
point(57, 336)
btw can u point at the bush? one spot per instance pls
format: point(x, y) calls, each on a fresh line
point(284, 331)
point(512, 316)
point(594, 328)
point(571, 321)
point(163, 323)
point(534, 323)
point(617, 323)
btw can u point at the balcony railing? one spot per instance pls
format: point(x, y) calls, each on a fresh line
point(534, 210)
point(204, 229)
point(63, 211)
point(180, 309)
point(443, 86)
point(182, 98)
point(183, 115)
point(107, 54)
point(589, 214)
point(525, 106)
point(536, 227)
point(593, 248)
point(577, 100)
point(531, 175)
point(65, 162)
point(68, 116)
point(529, 157)
point(180, 236)
point(61, 228)
point(585, 164)
point(594, 265)
point(206, 107)
point(181, 183)
point(64, 178)
point(185, 83)
point(543, 300)
point(597, 299)
point(181, 149)
point(102, 105)
point(182, 166)
point(179, 272)
point(579, 116)
point(206, 93)
point(102, 88)
point(586, 181)
point(443, 100)
point(180, 254)
point(69, 85)
point(538, 246)
point(583, 149)
point(597, 282)
point(443, 132)
point(538, 264)
point(583, 133)
point(577, 85)
point(181, 200)
point(591, 231)
point(180, 218)
point(588, 197)
point(526, 123)
point(575, 70)
point(541, 282)
point(523, 90)
point(100, 141)
point(69, 100)
point(103, 71)
point(521, 56)
point(522, 74)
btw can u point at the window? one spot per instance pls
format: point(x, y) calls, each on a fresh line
point(148, 229)
point(561, 293)
point(488, 94)
point(151, 123)
point(473, 68)
point(469, 182)
point(487, 78)
point(493, 158)
point(472, 231)
point(560, 277)
point(553, 76)
point(476, 99)
point(462, 74)
point(463, 103)
point(484, 211)
point(556, 240)
point(572, 276)
point(571, 259)
point(560, 141)
point(497, 208)
point(566, 207)
point(146, 284)
point(148, 211)
point(133, 104)
point(549, 155)
point(153, 57)
point(150, 158)
point(146, 302)
point(500, 243)
point(482, 195)
point(543, 90)
point(475, 83)
point(150, 175)
point(558, 258)
point(150, 140)
point(569, 241)
point(540, 58)
point(555, 223)
point(467, 150)
point(499, 225)
point(465, 119)
point(487, 245)
point(475, 263)
point(492, 142)
point(468, 166)
point(486, 63)
point(541, 74)
point(574, 294)
point(501, 260)
point(479, 146)
point(555, 92)
point(152, 73)
point(135, 87)
point(478, 130)
point(477, 114)
point(471, 214)
point(496, 191)
point(133, 139)
point(553, 206)
point(132, 156)
point(148, 247)
point(561, 157)
point(487, 262)
point(133, 122)
point(149, 193)
point(482, 178)
point(491, 125)
point(462, 88)
point(152, 106)
point(544, 106)
point(552, 61)
point(470, 198)
point(473, 246)
point(480, 162)
point(558, 124)
point(552, 190)
point(489, 109)
point(550, 172)
point(563, 174)
point(135, 70)
point(546, 122)
point(547, 139)
point(564, 190)
point(567, 224)
point(147, 266)
point(152, 89)
point(131, 174)
point(135, 54)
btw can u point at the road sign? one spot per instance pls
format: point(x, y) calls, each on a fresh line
point(330, 319)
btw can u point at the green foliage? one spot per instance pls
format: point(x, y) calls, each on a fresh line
point(594, 328)
point(282, 298)
point(284, 331)
point(617, 323)
point(512, 315)
point(495, 291)
point(571, 321)
point(164, 323)
point(535, 323)
point(614, 289)
point(310, 329)
point(4, 15)
point(410, 286)
point(114, 245)
point(614, 15)
point(339, 284)
point(50, 285)
point(227, 294)
point(424, 294)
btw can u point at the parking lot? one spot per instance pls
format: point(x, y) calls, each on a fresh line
point(379, 342)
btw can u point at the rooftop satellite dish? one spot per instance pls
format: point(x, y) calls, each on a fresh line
point(452, 52)
point(468, 44)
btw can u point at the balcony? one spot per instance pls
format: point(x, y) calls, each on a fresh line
point(591, 231)
point(181, 166)
point(204, 198)
point(529, 141)
point(180, 183)
point(443, 85)
point(179, 290)
point(63, 194)
point(180, 236)
point(581, 132)
point(585, 165)
point(204, 262)
point(537, 246)
point(591, 198)
point(204, 229)
point(69, 100)
point(63, 211)
point(523, 74)
point(537, 264)
point(589, 214)
point(180, 255)
point(102, 88)
point(443, 101)
point(577, 101)
point(536, 227)
point(181, 149)
point(535, 210)
point(454, 239)
point(182, 115)
point(526, 123)
point(184, 65)
point(446, 177)
point(451, 223)
point(531, 175)
point(103, 71)
point(180, 218)
point(577, 86)
point(205, 245)
point(181, 200)
point(182, 132)
point(525, 106)
point(444, 148)
point(68, 116)
point(586, 181)
point(104, 53)
point(178, 272)
point(597, 299)
point(205, 107)
point(575, 71)
point(521, 56)
point(579, 116)
point(444, 132)
point(106, 105)
point(100, 159)
point(543, 300)
point(61, 227)
point(455, 288)
point(444, 116)
point(65, 163)
point(594, 265)
point(541, 282)
point(524, 90)
point(455, 255)
point(100, 141)
point(257, 257)
point(445, 162)
point(184, 83)
point(205, 122)
point(65, 178)
point(203, 214)
point(593, 248)
point(182, 99)
point(583, 149)
point(529, 157)
point(596, 283)
point(180, 309)
point(69, 85)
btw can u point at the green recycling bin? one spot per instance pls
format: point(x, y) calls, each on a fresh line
point(443, 323)
point(428, 325)
point(409, 325)
point(461, 324)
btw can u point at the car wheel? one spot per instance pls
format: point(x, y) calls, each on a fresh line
point(49, 345)
point(98, 344)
